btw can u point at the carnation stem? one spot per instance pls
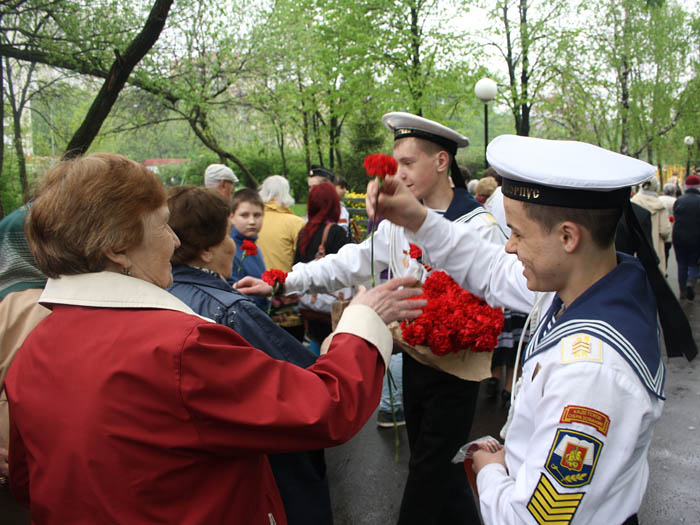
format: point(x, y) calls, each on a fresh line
point(371, 244)
point(392, 385)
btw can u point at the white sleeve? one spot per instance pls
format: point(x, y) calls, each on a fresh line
point(611, 485)
point(470, 255)
point(350, 266)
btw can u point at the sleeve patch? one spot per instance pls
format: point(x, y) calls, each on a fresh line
point(581, 347)
point(573, 458)
point(550, 507)
point(587, 416)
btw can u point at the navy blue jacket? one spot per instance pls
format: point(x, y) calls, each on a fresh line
point(686, 214)
point(300, 476)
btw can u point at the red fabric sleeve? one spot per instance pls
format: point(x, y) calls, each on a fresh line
point(242, 400)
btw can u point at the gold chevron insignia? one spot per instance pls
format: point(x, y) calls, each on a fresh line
point(550, 507)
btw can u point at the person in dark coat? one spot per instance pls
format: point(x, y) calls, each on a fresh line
point(200, 267)
point(686, 236)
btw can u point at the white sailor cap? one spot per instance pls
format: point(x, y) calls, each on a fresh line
point(217, 172)
point(408, 125)
point(564, 173)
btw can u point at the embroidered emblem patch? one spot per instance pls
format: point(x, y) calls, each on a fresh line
point(573, 457)
point(581, 347)
point(550, 507)
point(587, 416)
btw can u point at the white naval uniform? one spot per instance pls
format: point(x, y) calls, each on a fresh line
point(578, 396)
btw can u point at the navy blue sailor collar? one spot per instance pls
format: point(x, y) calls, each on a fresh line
point(462, 204)
point(619, 309)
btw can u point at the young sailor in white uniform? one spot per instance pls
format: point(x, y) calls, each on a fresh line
point(592, 375)
point(439, 407)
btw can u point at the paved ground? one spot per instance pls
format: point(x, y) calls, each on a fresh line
point(366, 484)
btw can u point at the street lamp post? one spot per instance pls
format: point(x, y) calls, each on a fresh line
point(688, 141)
point(486, 90)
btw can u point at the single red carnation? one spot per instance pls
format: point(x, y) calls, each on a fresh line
point(671, 219)
point(274, 276)
point(249, 248)
point(414, 251)
point(380, 165)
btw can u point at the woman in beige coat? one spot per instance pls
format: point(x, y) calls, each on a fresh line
point(648, 198)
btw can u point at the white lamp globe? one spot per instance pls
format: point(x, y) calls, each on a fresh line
point(486, 90)
point(689, 141)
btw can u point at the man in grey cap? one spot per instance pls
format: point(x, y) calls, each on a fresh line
point(220, 178)
point(592, 375)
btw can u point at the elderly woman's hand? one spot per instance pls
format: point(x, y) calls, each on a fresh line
point(392, 300)
point(253, 286)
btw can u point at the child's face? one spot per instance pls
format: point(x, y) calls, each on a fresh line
point(247, 219)
point(417, 169)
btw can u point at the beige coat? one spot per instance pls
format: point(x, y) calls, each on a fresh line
point(19, 314)
point(660, 223)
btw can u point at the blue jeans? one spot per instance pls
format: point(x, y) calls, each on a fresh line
point(687, 259)
point(396, 367)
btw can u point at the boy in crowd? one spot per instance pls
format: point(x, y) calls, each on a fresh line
point(592, 374)
point(247, 211)
point(438, 406)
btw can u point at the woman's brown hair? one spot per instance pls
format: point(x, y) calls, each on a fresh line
point(87, 206)
point(199, 217)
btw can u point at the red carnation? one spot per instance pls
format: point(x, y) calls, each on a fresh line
point(249, 248)
point(414, 251)
point(273, 277)
point(671, 219)
point(380, 165)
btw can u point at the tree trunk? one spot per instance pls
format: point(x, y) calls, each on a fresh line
point(510, 63)
point(2, 134)
point(19, 148)
point(199, 123)
point(524, 124)
point(317, 137)
point(625, 107)
point(417, 90)
point(305, 139)
point(117, 77)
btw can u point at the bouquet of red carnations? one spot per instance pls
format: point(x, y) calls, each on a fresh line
point(453, 320)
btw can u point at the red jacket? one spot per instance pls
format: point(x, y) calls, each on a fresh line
point(132, 416)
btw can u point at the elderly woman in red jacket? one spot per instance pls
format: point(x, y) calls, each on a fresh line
point(126, 407)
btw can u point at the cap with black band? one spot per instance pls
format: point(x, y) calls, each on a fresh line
point(578, 175)
point(404, 125)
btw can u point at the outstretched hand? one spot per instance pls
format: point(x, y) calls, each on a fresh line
point(253, 286)
point(392, 300)
point(396, 203)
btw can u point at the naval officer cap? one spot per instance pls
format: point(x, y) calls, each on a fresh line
point(404, 125)
point(565, 173)
point(408, 125)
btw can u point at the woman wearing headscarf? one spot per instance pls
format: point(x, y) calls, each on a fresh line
point(127, 407)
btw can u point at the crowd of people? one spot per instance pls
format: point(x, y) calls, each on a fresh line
point(152, 375)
